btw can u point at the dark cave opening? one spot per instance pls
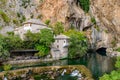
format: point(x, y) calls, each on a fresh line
point(101, 51)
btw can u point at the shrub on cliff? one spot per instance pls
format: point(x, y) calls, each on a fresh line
point(58, 28)
point(4, 16)
point(85, 5)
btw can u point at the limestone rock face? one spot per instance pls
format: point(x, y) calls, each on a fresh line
point(107, 15)
point(65, 11)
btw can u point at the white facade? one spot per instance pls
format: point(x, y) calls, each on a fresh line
point(33, 25)
point(60, 47)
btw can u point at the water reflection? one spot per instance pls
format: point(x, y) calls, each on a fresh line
point(97, 63)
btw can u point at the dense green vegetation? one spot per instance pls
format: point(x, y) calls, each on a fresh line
point(58, 28)
point(3, 50)
point(115, 74)
point(46, 38)
point(7, 67)
point(40, 41)
point(78, 43)
point(85, 5)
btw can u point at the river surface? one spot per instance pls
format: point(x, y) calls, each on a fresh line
point(97, 64)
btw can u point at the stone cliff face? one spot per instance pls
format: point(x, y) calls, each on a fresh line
point(107, 15)
point(14, 12)
point(105, 12)
point(105, 33)
point(65, 11)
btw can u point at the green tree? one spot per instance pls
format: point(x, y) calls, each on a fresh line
point(46, 37)
point(13, 41)
point(40, 41)
point(78, 43)
point(43, 50)
point(3, 49)
point(85, 5)
point(58, 28)
point(32, 39)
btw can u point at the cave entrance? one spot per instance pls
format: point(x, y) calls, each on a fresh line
point(101, 51)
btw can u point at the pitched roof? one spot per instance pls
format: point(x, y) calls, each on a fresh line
point(34, 21)
point(62, 37)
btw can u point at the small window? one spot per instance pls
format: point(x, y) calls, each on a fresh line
point(64, 41)
point(57, 46)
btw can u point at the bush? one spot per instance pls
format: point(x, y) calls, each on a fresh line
point(16, 22)
point(47, 22)
point(7, 67)
point(118, 49)
point(40, 41)
point(18, 14)
point(4, 16)
point(93, 20)
point(13, 42)
point(117, 64)
point(85, 5)
point(43, 50)
point(37, 77)
point(3, 48)
point(58, 28)
point(40, 16)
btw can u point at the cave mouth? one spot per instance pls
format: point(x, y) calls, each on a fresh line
point(101, 51)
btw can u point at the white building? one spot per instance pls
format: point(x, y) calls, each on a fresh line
point(33, 25)
point(59, 48)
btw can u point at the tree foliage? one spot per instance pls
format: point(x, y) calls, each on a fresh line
point(13, 41)
point(117, 64)
point(78, 43)
point(58, 28)
point(85, 5)
point(40, 41)
point(3, 50)
point(46, 37)
point(7, 67)
point(43, 50)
